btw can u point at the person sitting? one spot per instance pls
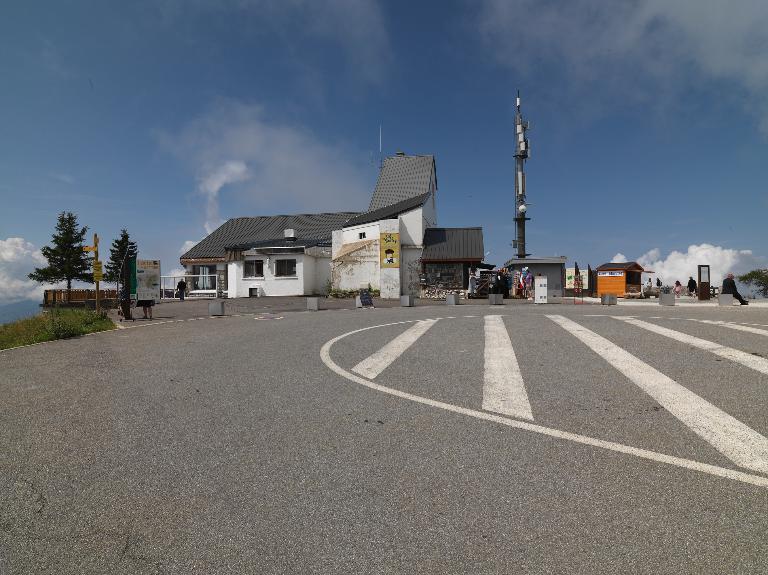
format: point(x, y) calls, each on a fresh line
point(729, 286)
point(692, 286)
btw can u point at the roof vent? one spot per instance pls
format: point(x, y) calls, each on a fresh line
point(399, 153)
point(290, 234)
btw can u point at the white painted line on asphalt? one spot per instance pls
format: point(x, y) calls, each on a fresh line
point(735, 326)
point(747, 359)
point(503, 385)
point(377, 362)
point(738, 442)
point(325, 355)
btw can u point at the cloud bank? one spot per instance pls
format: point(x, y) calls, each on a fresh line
point(18, 258)
point(681, 265)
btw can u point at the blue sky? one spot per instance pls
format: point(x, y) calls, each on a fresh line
point(649, 121)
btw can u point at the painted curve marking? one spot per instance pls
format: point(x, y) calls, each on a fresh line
point(325, 356)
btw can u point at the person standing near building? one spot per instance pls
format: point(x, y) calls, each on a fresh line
point(729, 286)
point(472, 288)
point(181, 287)
point(692, 286)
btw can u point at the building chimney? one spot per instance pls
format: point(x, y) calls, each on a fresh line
point(289, 234)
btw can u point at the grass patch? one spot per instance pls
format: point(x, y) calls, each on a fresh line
point(54, 324)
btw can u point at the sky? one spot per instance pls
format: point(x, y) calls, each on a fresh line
point(649, 121)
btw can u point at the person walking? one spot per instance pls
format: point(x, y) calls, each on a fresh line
point(678, 288)
point(729, 286)
point(181, 288)
point(692, 286)
point(472, 288)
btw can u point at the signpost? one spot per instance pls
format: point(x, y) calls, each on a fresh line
point(148, 280)
point(540, 287)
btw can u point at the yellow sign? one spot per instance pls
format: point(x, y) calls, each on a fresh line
point(97, 271)
point(97, 276)
point(389, 246)
point(97, 265)
point(89, 248)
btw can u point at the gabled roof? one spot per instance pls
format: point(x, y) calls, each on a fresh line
point(453, 244)
point(627, 266)
point(251, 231)
point(388, 212)
point(403, 177)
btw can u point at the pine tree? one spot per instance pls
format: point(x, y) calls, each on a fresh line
point(121, 247)
point(66, 259)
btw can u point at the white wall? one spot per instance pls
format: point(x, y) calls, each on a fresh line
point(356, 268)
point(410, 268)
point(322, 274)
point(270, 284)
point(352, 234)
point(412, 228)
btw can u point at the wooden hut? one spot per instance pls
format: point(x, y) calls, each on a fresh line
point(619, 279)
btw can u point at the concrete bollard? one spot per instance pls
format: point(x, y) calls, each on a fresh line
point(608, 299)
point(313, 303)
point(406, 301)
point(495, 299)
point(358, 302)
point(452, 299)
point(725, 299)
point(666, 299)
point(216, 308)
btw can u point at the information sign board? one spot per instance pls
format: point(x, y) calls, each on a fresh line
point(148, 280)
point(540, 289)
point(365, 298)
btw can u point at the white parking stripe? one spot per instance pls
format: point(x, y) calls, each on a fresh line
point(738, 442)
point(503, 386)
point(374, 364)
point(747, 359)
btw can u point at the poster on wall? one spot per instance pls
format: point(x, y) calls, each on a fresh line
point(389, 244)
point(148, 280)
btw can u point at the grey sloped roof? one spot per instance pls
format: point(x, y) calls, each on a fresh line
point(403, 177)
point(453, 244)
point(311, 229)
point(388, 212)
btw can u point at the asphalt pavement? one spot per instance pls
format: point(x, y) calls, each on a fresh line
point(375, 441)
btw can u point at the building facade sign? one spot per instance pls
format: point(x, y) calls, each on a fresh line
point(610, 274)
point(389, 245)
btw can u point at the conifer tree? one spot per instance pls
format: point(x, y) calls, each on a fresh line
point(66, 259)
point(122, 249)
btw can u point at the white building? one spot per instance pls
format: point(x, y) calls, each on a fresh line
point(265, 256)
point(306, 254)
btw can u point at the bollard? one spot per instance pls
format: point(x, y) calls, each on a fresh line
point(608, 299)
point(452, 299)
point(313, 303)
point(725, 299)
point(666, 299)
point(358, 302)
point(495, 299)
point(216, 308)
point(406, 301)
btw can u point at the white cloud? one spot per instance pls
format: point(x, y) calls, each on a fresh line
point(272, 166)
point(230, 172)
point(18, 258)
point(640, 48)
point(188, 245)
point(619, 258)
point(681, 265)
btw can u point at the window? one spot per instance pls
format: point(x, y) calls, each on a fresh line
point(285, 268)
point(253, 269)
point(361, 235)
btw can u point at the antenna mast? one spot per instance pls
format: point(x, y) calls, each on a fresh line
point(522, 149)
point(381, 157)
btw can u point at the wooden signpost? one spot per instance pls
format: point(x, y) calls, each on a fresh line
point(97, 267)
